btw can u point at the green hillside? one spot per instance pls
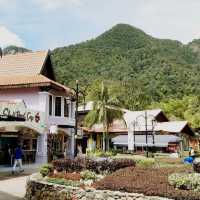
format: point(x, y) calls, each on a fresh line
point(141, 71)
point(141, 68)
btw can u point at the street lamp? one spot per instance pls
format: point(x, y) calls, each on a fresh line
point(77, 92)
point(1, 52)
point(133, 127)
point(136, 122)
point(53, 130)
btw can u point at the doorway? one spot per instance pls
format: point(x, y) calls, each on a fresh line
point(8, 144)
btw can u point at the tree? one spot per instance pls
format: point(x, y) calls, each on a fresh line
point(105, 111)
point(187, 108)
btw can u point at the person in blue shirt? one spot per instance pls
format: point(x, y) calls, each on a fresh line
point(18, 159)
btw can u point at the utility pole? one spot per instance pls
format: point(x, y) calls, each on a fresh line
point(76, 111)
point(77, 92)
point(146, 132)
point(1, 52)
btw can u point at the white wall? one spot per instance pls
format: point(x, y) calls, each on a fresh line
point(29, 95)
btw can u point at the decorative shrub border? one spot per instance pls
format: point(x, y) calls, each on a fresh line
point(38, 188)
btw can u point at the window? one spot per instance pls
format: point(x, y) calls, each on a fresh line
point(66, 108)
point(50, 104)
point(58, 106)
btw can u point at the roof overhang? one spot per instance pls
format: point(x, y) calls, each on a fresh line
point(30, 81)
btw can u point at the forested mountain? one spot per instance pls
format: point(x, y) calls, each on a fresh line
point(142, 69)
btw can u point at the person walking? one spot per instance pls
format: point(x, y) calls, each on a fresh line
point(18, 159)
point(192, 153)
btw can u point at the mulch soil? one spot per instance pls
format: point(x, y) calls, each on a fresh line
point(149, 181)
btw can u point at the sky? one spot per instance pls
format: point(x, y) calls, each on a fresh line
point(47, 24)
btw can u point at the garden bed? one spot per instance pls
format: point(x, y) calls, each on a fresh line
point(148, 181)
point(146, 176)
point(38, 188)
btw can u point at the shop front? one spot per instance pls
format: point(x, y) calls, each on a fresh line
point(30, 132)
point(9, 140)
point(19, 126)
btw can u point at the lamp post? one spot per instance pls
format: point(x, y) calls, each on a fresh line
point(145, 117)
point(53, 130)
point(77, 93)
point(134, 123)
point(1, 52)
point(76, 111)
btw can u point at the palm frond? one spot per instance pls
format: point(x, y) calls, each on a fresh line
point(113, 114)
point(105, 110)
point(91, 118)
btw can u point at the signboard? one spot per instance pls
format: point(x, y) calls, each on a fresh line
point(16, 110)
point(79, 134)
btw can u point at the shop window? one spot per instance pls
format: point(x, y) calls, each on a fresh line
point(50, 104)
point(58, 106)
point(66, 108)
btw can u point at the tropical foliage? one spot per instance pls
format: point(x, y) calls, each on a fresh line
point(138, 69)
point(187, 108)
point(104, 112)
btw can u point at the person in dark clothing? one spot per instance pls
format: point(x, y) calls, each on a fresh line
point(18, 159)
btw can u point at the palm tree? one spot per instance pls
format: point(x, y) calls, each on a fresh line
point(105, 111)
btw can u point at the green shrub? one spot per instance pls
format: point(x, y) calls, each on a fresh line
point(99, 153)
point(88, 175)
point(185, 181)
point(97, 165)
point(146, 162)
point(196, 165)
point(46, 170)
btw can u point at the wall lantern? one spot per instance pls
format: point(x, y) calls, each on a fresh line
point(53, 129)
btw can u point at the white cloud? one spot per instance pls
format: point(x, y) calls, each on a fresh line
point(7, 38)
point(7, 3)
point(55, 4)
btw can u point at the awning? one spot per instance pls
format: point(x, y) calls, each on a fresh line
point(160, 140)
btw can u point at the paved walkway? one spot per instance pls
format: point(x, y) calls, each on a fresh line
point(5, 196)
point(13, 187)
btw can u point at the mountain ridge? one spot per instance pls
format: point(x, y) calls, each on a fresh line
point(134, 63)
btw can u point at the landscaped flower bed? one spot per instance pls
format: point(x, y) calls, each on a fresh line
point(149, 181)
point(98, 165)
point(196, 165)
point(82, 171)
point(75, 179)
point(185, 181)
point(68, 176)
point(148, 177)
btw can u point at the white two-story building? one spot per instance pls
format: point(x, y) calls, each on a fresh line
point(35, 110)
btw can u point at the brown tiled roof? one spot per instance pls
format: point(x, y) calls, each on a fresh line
point(30, 63)
point(19, 81)
point(24, 70)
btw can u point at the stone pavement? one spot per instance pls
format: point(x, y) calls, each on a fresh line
point(13, 187)
point(5, 196)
